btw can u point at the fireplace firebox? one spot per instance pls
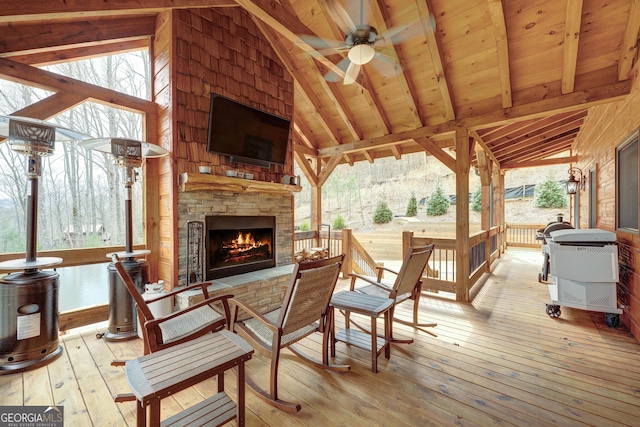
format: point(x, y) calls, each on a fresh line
point(239, 244)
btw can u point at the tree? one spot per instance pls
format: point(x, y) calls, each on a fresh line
point(412, 208)
point(304, 226)
point(382, 214)
point(338, 223)
point(550, 194)
point(476, 200)
point(438, 203)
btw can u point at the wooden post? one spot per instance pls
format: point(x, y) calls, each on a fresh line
point(406, 242)
point(316, 213)
point(462, 214)
point(347, 265)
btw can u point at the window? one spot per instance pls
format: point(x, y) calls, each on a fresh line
point(627, 184)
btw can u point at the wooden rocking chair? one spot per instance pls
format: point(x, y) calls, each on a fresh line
point(305, 310)
point(180, 326)
point(406, 286)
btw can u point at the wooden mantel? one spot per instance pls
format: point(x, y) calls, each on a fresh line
point(203, 182)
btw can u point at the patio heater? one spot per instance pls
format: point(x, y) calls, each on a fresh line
point(29, 299)
point(127, 154)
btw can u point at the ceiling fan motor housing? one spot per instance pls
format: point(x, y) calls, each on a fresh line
point(362, 34)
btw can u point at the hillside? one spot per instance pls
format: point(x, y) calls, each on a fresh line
point(354, 192)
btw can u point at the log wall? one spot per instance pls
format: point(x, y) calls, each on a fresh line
point(605, 127)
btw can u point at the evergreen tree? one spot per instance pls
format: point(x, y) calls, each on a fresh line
point(382, 214)
point(412, 208)
point(438, 203)
point(550, 194)
point(338, 223)
point(476, 200)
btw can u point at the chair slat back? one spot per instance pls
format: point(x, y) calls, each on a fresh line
point(133, 290)
point(412, 268)
point(309, 294)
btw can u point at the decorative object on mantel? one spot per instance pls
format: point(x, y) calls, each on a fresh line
point(29, 327)
point(128, 154)
point(201, 182)
point(204, 169)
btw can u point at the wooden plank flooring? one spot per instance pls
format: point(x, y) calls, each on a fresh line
point(498, 361)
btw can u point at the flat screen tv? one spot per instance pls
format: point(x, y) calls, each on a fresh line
point(246, 134)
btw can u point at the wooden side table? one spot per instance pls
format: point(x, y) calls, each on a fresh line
point(368, 305)
point(163, 373)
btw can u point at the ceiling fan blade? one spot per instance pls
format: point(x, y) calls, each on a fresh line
point(340, 16)
point(332, 76)
point(320, 43)
point(386, 65)
point(352, 73)
point(409, 30)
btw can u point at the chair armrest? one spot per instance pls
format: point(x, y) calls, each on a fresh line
point(220, 298)
point(202, 285)
point(236, 303)
point(368, 279)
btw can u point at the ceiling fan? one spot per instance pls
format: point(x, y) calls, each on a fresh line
point(362, 43)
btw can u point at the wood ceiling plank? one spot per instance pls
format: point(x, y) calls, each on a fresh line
point(629, 47)
point(381, 14)
point(532, 150)
point(497, 18)
point(571, 43)
point(538, 139)
point(425, 16)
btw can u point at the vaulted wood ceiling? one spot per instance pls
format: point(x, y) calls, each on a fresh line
point(519, 75)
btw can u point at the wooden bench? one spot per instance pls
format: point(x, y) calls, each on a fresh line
point(166, 372)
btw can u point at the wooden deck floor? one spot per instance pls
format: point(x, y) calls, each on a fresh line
point(499, 361)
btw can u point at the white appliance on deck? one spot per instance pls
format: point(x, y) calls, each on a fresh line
point(584, 266)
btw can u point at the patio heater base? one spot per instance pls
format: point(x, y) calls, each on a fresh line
point(122, 310)
point(29, 327)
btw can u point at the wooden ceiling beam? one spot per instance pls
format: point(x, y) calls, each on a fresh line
point(485, 147)
point(288, 25)
point(502, 46)
point(306, 168)
point(33, 10)
point(538, 163)
point(40, 37)
point(32, 76)
point(51, 106)
point(437, 152)
point(56, 56)
point(576, 100)
point(305, 91)
point(328, 168)
point(573, 21)
point(629, 48)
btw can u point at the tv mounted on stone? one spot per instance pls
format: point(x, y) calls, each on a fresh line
point(246, 134)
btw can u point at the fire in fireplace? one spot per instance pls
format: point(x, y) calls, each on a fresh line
point(239, 244)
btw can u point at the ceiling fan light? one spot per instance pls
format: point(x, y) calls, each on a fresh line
point(361, 54)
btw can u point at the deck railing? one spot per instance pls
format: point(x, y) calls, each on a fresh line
point(523, 235)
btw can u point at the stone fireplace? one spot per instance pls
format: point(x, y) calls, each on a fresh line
point(236, 244)
point(261, 212)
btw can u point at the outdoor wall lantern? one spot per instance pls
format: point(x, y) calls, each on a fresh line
point(573, 182)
